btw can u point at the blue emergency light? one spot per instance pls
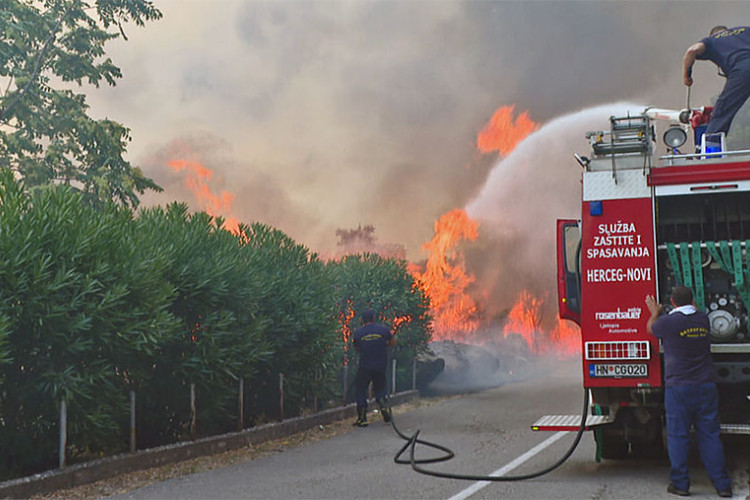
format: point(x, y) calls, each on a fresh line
point(595, 208)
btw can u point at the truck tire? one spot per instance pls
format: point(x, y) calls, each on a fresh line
point(648, 442)
point(612, 443)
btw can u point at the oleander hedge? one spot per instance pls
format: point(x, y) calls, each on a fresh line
point(96, 302)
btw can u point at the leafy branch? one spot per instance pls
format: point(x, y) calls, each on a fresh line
point(35, 72)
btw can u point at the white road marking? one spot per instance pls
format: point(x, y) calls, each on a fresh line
point(509, 467)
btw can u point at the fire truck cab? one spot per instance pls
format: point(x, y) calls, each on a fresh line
point(649, 221)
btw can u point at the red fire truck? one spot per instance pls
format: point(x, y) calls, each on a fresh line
point(654, 216)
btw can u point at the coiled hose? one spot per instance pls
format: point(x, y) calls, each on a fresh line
point(412, 441)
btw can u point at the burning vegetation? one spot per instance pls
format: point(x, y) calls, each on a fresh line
point(197, 178)
point(502, 133)
point(445, 279)
point(458, 306)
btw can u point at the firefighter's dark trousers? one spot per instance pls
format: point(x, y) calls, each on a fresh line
point(696, 406)
point(735, 93)
point(362, 385)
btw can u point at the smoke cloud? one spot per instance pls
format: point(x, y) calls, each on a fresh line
point(320, 115)
point(524, 195)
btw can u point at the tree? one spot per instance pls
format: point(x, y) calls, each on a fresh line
point(46, 135)
point(96, 302)
point(83, 313)
point(363, 240)
point(221, 336)
point(369, 281)
point(294, 296)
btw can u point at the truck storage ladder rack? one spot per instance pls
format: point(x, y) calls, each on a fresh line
point(569, 422)
point(627, 135)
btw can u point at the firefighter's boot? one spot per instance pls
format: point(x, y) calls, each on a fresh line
point(361, 418)
point(385, 410)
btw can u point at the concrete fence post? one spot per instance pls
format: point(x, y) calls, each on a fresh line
point(345, 392)
point(63, 431)
point(393, 377)
point(315, 391)
point(241, 405)
point(193, 411)
point(281, 396)
point(414, 374)
point(132, 422)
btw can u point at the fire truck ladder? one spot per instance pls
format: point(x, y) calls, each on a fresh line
point(628, 135)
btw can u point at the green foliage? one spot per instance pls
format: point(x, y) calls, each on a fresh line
point(221, 337)
point(46, 135)
point(95, 303)
point(294, 296)
point(82, 316)
point(384, 285)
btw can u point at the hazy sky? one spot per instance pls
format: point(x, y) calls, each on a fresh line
point(320, 115)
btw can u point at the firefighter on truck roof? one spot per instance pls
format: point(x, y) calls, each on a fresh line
point(729, 49)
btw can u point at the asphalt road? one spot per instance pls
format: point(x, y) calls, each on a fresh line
point(489, 433)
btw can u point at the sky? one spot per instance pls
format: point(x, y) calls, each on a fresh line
point(324, 115)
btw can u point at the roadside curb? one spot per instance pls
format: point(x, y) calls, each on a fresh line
point(89, 472)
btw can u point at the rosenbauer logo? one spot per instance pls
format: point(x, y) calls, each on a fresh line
point(632, 313)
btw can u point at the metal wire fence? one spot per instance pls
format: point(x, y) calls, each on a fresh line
point(346, 396)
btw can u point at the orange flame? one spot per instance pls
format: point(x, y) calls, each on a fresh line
point(501, 134)
point(445, 280)
point(400, 320)
point(525, 318)
point(566, 337)
point(345, 318)
point(197, 177)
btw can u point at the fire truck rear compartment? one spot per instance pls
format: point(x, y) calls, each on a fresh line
point(703, 217)
point(720, 227)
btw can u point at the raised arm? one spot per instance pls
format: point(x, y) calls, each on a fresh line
point(691, 55)
point(654, 309)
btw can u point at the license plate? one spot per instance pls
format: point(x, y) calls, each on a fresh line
point(618, 370)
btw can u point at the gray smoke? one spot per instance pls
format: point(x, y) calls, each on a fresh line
point(522, 198)
point(332, 114)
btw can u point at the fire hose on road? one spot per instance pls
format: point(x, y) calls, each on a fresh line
point(412, 441)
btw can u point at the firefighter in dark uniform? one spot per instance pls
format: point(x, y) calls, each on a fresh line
point(729, 49)
point(371, 341)
point(691, 398)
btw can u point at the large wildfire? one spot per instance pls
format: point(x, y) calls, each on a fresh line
point(457, 305)
point(445, 279)
point(525, 319)
point(457, 314)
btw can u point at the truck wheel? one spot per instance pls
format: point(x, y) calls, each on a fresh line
point(648, 443)
point(647, 448)
point(612, 443)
